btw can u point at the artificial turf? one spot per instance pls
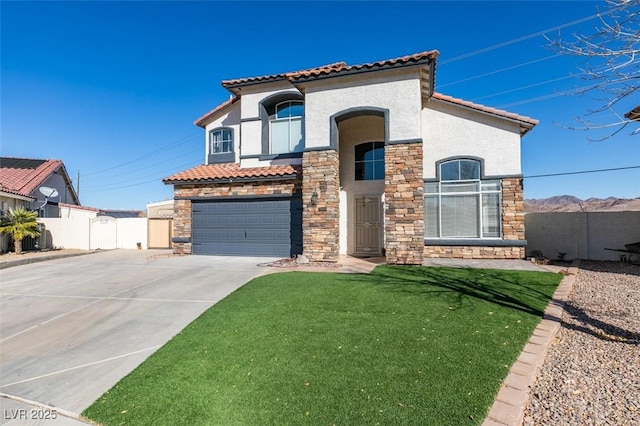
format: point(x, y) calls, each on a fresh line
point(399, 346)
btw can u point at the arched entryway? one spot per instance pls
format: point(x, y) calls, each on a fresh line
point(360, 136)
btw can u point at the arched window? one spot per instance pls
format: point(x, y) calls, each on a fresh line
point(460, 204)
point(221, 146)
point(369, 161)
point(286, 127)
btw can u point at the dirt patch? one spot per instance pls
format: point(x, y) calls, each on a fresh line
point(155, 257)
point(291, 263)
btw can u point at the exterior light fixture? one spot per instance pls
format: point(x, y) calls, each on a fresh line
point(314, 198)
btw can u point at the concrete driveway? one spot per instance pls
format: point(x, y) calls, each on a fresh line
point(71, 328)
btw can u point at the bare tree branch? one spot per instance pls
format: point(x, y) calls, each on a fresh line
point(611, 61)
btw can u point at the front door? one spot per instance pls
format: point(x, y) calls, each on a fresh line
point(368, 223)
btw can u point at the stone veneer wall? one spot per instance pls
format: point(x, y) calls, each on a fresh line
point(182, 208)
point(512, 230)
point(404, 203)
point(321, 222)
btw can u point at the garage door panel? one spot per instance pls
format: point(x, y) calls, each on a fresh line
point(241, 249)
point(251, 227)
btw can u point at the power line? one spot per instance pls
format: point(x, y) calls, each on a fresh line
point(581, 172)
point(150, 154)
point(498, 71)
point(517, 89)
point(156, 177)
point(527, 37)
point(155, 164)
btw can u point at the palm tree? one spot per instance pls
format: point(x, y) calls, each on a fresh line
point(19, 223)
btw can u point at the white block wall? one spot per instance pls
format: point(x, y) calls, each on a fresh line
point(75, 233)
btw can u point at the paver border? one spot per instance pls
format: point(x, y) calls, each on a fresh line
point(509, 405)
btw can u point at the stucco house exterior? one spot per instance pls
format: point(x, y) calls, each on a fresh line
point(362, 160)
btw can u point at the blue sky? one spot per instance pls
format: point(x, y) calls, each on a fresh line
point(112, 88)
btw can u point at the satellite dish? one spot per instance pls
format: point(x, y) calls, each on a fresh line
point(48, 192)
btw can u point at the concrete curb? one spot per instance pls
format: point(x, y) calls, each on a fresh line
point(509, 405)
point(18, 262)
point(71, 417)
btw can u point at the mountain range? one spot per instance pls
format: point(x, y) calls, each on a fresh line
point(569, 203)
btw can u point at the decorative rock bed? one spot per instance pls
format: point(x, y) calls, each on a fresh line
point(591, 374)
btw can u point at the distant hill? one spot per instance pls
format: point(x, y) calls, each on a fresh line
point(569, 203)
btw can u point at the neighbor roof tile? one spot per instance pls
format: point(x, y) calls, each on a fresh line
point(21, 176)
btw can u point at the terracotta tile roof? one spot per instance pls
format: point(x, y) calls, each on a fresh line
point(526, 121)
point(335, 69)
point(202, 121)
point(21, 176)
point(208, 172)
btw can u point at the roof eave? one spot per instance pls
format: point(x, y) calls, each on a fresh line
point(208, 117)
point(357, 71)
point(525, 125)
point(228, 180)
point(16, 196)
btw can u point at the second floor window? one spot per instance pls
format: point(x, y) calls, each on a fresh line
point(221, 141)
point(286, 133)
point(369, 164)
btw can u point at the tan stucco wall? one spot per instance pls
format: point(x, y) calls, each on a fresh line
point(582, 235)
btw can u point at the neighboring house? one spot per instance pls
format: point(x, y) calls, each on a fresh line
point(71, 211)
point(122, 214)
point(362, 160)
point(21, 181)
point(160, 209)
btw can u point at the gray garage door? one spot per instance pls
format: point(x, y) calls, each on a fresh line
point(252, 227)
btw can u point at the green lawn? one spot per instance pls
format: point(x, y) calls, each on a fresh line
point(399, 346)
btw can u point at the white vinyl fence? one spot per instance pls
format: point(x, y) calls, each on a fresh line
point(582, 235)
point(102, 232)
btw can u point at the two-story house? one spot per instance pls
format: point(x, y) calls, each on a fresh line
point(363, 160)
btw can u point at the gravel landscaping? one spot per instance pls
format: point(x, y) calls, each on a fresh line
point(591, 374)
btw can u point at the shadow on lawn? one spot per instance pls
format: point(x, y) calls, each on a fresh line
point(501, 287)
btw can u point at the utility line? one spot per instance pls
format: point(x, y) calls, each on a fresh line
point(169, 146)
point(581, 172)
point(137, 170)
point(527, 37)
point(498, 71)
point(157, 176)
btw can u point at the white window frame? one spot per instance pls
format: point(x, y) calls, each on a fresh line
point(291, 143)
point(482, 186)
point(212, 142)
